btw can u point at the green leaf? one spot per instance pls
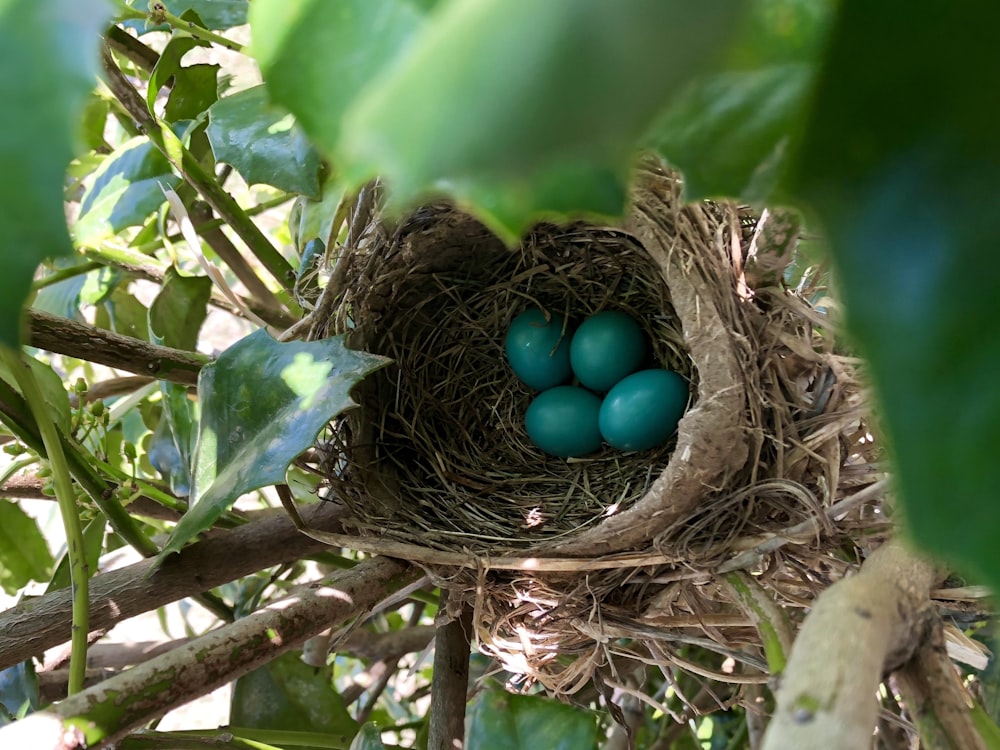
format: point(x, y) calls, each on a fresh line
point(176, 315)
point(24, 555)
point(126, 189)
point(368, 738)
point(215, 14)
point(262, 404)
point(48, 52)
point(730, 131)
point(289, 694)
point(93, 544)
point(546, 129)
point(263, 142)
point(194, 88)
point(502, 721)
point(905, 200)
point(317, 55)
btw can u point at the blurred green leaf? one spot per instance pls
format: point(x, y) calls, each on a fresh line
point(48, 55)
point(24, 555)
point(317, 56)
point(289, 694)
point(368, 738)
point(904, 199)
point(262, 404)
point(263, 143)
point(18, 690)
point(549, 128)
point(125, 314)
point(731, 131)
point(215, 14)
point(503, 721)
point(126, 189)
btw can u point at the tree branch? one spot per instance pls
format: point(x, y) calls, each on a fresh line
point(37, 624)
point(108, 711)
point(65, 336)
point(450, 683)
point(859, 628)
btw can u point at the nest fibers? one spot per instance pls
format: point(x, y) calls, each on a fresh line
point(563, 558)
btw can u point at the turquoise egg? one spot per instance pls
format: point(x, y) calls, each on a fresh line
point(537, 350)
point(562, 421)
point(643, 410)
point(605, 348)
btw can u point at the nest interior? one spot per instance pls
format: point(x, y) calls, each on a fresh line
point(436, 467)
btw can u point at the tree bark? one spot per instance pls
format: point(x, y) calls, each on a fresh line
point(74, 339)
point(107, 712)
point(37, 624)
point(859, 629)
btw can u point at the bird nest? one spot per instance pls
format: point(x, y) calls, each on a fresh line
point(771, 471)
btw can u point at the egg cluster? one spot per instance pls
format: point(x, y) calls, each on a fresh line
point(640, 408)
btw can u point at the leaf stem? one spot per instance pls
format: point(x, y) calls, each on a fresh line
point(160, 15)
point(75, 546)
point(195, 175)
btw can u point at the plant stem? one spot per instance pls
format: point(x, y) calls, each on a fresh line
point(79, 573)
point(65, 273)
point(211, 738)
point(196, 176)
point(160, 15)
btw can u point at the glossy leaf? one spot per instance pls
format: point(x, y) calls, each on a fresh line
point(263, 142)
point(549, 128)
point(368, 738)
point(215, 14)
point(193, 88)
point(731, 131)
point(177, 313)
point(289, 694)
point(24, 555)
point(18, 690)
point(903, 196)
point(502, 721)
point(48, 55)
point(262, 404)
point(317, 55)
point(125, 190)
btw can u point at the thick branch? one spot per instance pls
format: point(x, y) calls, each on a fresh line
point(37, 624)
point(65, 336)
point(108, 711)
point(859, 628)
point(450, 683)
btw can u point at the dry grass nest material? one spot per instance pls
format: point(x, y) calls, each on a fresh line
point(562, 558)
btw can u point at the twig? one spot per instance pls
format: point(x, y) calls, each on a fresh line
point(159, 14)
point(212, 660)
point(858, 628)
point(39, 624)
point(450, 681)
point(68, 510)
point(74, 339)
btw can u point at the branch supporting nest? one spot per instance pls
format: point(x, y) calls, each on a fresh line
point(860, 628)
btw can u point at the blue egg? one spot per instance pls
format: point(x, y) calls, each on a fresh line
point(642, 410)
point(605, 348)
point(562, 421)
point(537, 350)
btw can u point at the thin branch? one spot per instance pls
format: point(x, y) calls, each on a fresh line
point(208, 662)
point(83, 341)
point(131, 48)
point(38, 624)
point(858, 628)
